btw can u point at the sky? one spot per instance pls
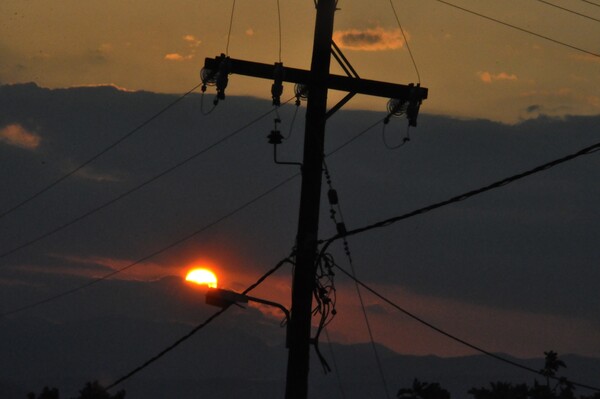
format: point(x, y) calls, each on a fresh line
point(473, 66)
point(514, 270)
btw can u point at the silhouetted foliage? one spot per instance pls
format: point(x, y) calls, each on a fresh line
point(91, 390)
point(423, 390)
point(551, 366)
point(47, 393)
point(501, 390)
point(554, 387)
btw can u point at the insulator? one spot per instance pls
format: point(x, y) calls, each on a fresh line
point(208, 77)
point(275, 137)
point(414, 104)
point(396, 107)
point(301, 91)
point(277, 86)
point(222, 77)
point(341, 228)
point(333, 197)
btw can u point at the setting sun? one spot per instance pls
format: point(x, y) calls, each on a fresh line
point(202, 277)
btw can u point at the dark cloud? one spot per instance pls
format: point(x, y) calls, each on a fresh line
point(373, 39)
point(354, 39)
point(528, 247)
point(525, 246)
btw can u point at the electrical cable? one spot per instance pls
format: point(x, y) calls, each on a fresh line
point(336, 369)
point(591, 2)
point(585, 151)
point(202, 111)
point(99, 154)
point(153, 254)
point(406, 42)
point(355, 137)
point(404, 141)
point(453, 337)
point(292, 123)
point(519, 28)
point(174, 243)
point(195, 329)
point(230, 26)
point(138, 187)
point(569, 10)
point(325, 296)
point(341, 226)
point(279, 22)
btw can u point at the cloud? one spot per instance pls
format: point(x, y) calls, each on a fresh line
point(249, 32)
point(94, 266)
point(373, 39)
point(107, 85)
point(192, 40)
point(504, 250)
point(101, 54)
point(586, 58)
point(16, 135)
point(192, 43)
point(564, 100)
point(488, 77)
point(97, 176)
point(178, 57)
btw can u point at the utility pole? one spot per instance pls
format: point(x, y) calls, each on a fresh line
point(310, 199)
point(317, 81)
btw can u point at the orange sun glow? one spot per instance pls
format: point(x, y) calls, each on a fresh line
point(202, 277)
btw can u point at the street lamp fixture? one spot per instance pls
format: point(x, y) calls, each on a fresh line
point(224, 298)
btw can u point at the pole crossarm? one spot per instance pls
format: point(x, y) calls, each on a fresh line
point(404, 99)
point(334, 82)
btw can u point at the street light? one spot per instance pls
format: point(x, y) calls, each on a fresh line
point(223, 298)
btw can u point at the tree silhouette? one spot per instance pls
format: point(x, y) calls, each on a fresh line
point(555, 387)
point(93, 390)
point(423, 390)
point(551, 366)
point(501, 390)
point(47, 393)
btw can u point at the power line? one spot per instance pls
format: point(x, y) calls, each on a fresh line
point(341, 226)
point(279, 27)
point(136, 188)
point(355, 137)
point(230, 26)
point(453, 337)
point(464, 196)
point(336, 369)
point(568, 10)
point(99, 154)
point(153, 254)
point(591, 2)
point(519, 28)
point(174, 243)
point(406, 42)
point(195, 329)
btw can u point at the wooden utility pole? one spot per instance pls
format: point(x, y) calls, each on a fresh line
point(310, 198)
point(317, 81)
